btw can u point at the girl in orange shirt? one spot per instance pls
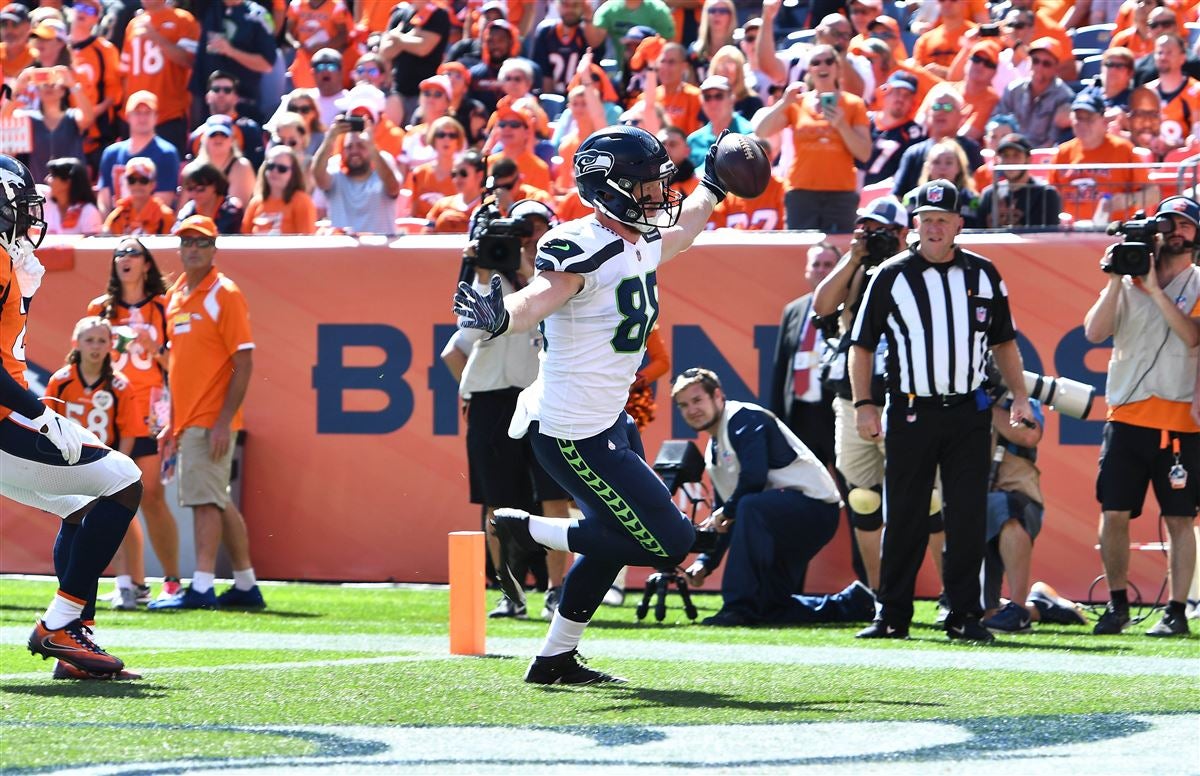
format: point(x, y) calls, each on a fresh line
point(433, 180)
point(280, 204)
point(451, 215)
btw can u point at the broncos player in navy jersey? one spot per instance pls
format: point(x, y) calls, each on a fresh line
point(596, 298)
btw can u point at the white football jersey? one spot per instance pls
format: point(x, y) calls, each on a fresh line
point(593, 344)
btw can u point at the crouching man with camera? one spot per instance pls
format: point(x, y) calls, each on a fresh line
point(503, 471)
point(1151, 309)
point(776, 507)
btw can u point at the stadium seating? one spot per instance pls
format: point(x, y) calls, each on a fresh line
point(1094, 36)
point(1090, 67)
point(553, 104)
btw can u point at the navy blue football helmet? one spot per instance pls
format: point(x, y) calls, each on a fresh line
point(20, 205)
point(609, 168)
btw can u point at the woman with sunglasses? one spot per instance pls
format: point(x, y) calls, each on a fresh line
point(830, 132)
point(58, 128)
point(451, 215)
point(370, 70)
point(206, 193)
point(718, 20)
point(434, 180)
point(140, 212)
point(71, 206)
point(301, 101)
point(135, 298)
point(280, 204)
point(731, 63)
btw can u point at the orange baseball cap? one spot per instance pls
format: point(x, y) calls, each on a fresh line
point(198, 224)
point(989, 50)
point(1049, 45)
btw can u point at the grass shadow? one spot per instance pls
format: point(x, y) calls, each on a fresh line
point(698, 699)
point(89, 689)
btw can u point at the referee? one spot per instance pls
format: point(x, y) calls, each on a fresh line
point(941, 309)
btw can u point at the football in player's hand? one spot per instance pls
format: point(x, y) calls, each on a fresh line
point(742, 165)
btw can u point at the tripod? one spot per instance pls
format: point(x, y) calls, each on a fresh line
point(659, 584)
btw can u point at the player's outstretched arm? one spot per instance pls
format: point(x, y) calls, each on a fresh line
point(521, 311)
point(697, 208)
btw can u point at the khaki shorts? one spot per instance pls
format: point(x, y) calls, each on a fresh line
point(201, 479)
point(859, 461)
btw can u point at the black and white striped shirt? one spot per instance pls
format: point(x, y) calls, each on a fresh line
point(939, 320)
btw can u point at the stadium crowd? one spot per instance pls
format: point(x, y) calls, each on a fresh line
point(270, 118)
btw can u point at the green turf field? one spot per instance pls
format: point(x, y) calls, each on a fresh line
point(359, 679)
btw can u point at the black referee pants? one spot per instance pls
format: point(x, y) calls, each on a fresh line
point(958, 439)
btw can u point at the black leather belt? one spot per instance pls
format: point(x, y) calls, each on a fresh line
point(939, 401)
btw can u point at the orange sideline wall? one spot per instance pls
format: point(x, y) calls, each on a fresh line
point(355, 461)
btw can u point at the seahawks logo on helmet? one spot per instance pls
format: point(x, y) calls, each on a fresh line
point(593, 161)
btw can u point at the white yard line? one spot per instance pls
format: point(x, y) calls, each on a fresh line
point(964, 658)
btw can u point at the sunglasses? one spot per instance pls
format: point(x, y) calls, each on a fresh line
point(713, 96)
point(718, 10)
point(749, 38)
point(276, 167)
point(507, 186)
point(1018, 26)
point(978, 60)
point(1047, 63)
point(943, 107)
point(460, 173)
point(821, 62)
point(431, 93)
point(327, 67)
point(137, 180)
point(121, 253)
point(87, 10)
point(514, 78)
point(631, 122)
point(1117, 65)
point(445, 135)
point(1161, 24)
point(510, 124)
point(371, 71)
point(221, 89)
point(197, 242)
point(196, 186)
point(303, 110)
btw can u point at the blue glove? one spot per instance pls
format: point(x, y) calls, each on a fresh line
point(710, 180)
point(479, 311)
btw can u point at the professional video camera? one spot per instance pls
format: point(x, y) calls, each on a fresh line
point(1133, 255)
point(1070, 397)
point(497, 239)
point(881, 246)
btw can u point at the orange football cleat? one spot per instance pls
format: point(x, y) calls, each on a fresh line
point(63, 670)
point(72, 644)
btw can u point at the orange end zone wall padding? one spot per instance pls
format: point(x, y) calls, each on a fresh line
point(355, 460)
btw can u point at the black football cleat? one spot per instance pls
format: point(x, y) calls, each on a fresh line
point(1114, 620)
point(567, 668)
point(513, 525)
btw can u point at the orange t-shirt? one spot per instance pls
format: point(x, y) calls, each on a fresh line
point(12, 325)
point(1131, 40)
point(207, 326)
point(981, 104)
point(13, 64)
point(822, 162)
point(153, 218)
point(571, 207)
point(1155, 412)
point(99, 60)
point(450, 215)
point(1081, 189)
point(940, 45)
point(762, 213)
point(140, 369)
point(534, 172)
point(682, 107)
point(146, 67)
point(314, 25)
point(108, 411)
point(1124, 18)
point(274, 216)
point(427, 189)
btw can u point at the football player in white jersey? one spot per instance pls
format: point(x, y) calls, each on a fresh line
point(51, 463)
point(596, 298)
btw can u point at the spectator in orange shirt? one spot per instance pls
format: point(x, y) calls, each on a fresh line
point(97, 63)
point(828, 134)
point(280, 204)
point(1139, 38)
point(314, 25)
point(158, 55)
point(209, 372)
point(434, 180)
point(515, 133)
point(935, 50)
point(976, 88)
point(15, 52)
point(139, 212)
point(451, 215)
point(71, 203)
point(1082, 189)
point(1180, 94)
point(679, 100)
point(206, 191)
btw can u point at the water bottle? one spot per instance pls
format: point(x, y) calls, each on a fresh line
point(167, 472)
point(1103, 211)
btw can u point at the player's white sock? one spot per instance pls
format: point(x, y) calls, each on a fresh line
point(244, 579)
point(124, 582)
point(551, 531)
point(61, 611)
point(202, 581)
point(563, 637)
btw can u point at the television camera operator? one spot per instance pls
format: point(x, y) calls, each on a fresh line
point(1151, 309)
point(492, 373)
point(776, 507)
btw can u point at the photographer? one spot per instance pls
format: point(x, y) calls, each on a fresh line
point(362, 190)
point(491, 373)
point(1152, 312)
point(776, 507)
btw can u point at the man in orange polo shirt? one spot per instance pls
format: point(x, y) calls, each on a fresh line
point(208, 326)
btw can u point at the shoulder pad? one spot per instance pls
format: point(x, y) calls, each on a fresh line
point(577, 247)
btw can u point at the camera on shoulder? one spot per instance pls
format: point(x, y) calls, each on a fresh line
point(498, 239)
point(1132, 256)
point(882, 244)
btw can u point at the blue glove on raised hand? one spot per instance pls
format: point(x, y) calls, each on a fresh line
point(710, 180)
point(480, 311)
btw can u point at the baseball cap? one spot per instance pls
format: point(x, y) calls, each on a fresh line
point(143, 166)
point(886, 210)
point(140, 98)
point(939, 196)
point(1089, 101)
point(638, 33)
point(218, 124)
point(1180, 206)
point(438, 82)
point(715, 82)
point(531, 207)
point(902, 80)
point(49, 29)
point(988, 49)
point(327, 55)
point(1119, 52)
point(197, 224)
point(509, 112)
point(14, 12)
point(1047, 44)
point(1015, 140)
point(363, 96)
point(458, 67)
